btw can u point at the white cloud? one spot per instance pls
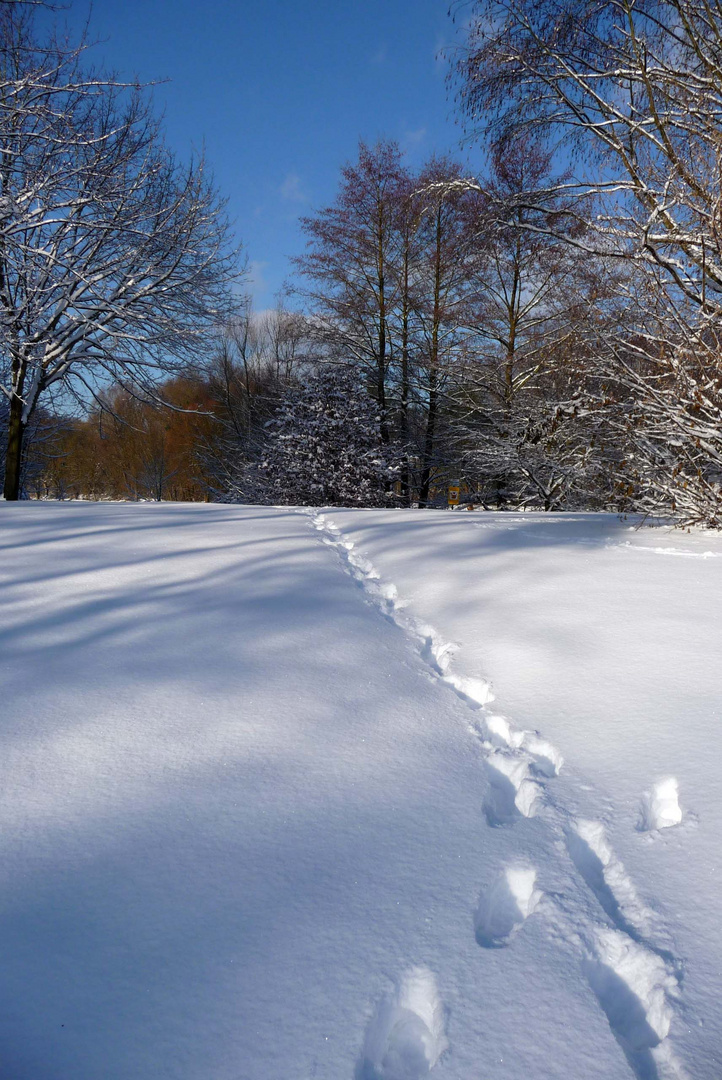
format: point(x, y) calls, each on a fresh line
point(292, 190)
point(413, 137)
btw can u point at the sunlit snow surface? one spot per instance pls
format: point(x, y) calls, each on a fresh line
point(358, 795)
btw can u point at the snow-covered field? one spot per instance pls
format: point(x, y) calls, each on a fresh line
point(357, 795)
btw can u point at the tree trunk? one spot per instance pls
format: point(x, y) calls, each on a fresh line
point(381, 363)
point(503, 482)
point(405, 471)
point(13, 457)
point(433, 371)
point(429, 441)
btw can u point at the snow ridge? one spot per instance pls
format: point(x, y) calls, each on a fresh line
point(680, 553)
point(635, 981)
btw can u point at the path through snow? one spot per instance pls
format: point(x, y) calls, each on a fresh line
point(635, 980)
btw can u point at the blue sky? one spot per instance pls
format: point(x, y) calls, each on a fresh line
point(280, 91)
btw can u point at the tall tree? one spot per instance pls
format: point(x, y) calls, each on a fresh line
point(115, 261)
point(388, 265)
point(523, 392)
point(447, 251)
point(352, 266)
point(633, 89)
point(407, 217)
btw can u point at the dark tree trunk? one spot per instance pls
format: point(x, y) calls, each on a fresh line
point(429, 441)
point(405, 472)
point(18, 417)
point(13, 457)
point(381, 364)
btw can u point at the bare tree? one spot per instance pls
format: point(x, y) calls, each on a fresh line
point(352, 266)
point(446, 255)
point(387, 266)
point(257, 358)
point(633, 89)
point(115, 261)
point(285, 335)
point(522, 394)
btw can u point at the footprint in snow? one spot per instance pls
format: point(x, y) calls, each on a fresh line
point(405, 1038)
point(660, 807)
point(513, 793)
point(505, 906)
point(495, 729)
point(634, 986)
point(605, 875)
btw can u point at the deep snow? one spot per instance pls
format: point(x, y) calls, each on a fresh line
point(358, 794)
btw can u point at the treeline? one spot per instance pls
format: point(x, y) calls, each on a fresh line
point(627, 93)
point(191, 440)
point(437, 344)
point(546, 333)
point(468, 322)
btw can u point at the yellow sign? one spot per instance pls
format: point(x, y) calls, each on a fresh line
point(454, 492)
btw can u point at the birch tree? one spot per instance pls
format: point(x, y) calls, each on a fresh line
point(115, 260)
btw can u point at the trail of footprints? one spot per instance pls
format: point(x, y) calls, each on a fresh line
point(635, 980)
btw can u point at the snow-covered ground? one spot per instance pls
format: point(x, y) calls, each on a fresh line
point(358, 795)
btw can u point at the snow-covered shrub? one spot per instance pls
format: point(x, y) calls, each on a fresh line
point(325, 447)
